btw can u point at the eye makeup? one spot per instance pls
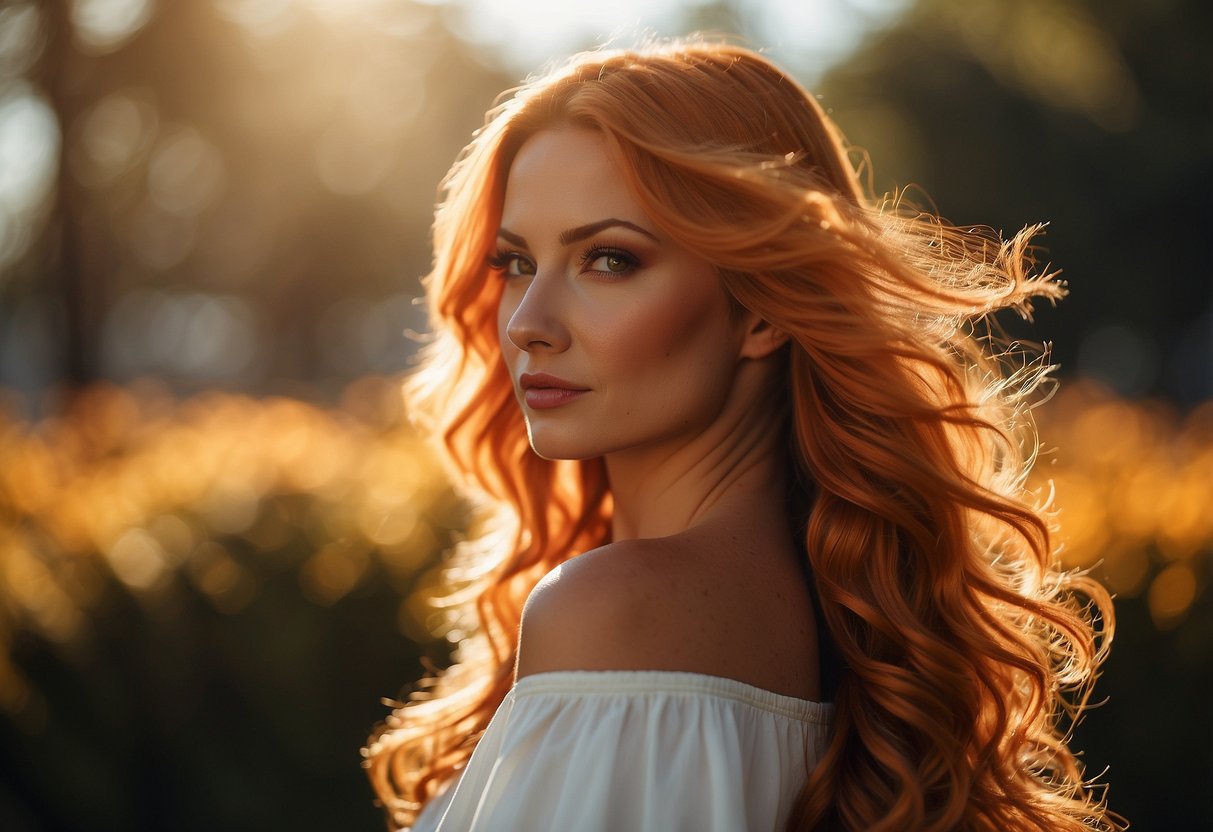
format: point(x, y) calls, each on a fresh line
point(609, 260)
point(510, 263)
point(601, 258)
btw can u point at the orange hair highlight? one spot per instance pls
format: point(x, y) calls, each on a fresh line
point(968, 651)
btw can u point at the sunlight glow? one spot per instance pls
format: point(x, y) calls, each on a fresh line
point(112, 136)
point(104, 25)
point(806, 35)
point(21, 38)
point(29, 150)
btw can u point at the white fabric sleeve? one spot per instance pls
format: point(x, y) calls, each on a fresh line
point(650, 751)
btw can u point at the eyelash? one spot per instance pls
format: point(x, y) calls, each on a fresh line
point(594, 252)
point(502, 260)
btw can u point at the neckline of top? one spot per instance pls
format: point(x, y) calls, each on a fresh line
point(613, 682)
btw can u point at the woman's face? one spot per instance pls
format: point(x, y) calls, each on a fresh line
point(616, 338)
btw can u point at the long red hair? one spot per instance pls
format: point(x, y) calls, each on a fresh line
point(967, 650)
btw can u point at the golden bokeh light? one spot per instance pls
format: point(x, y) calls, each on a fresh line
point(1171, 593)
point(1134, 485)
point(206, 495)
point(213, 493)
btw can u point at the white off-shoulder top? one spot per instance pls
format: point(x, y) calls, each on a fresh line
point(645, 751)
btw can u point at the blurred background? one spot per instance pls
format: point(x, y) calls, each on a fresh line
point(218, 534)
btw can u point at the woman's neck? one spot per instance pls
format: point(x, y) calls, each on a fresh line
point(739, 464)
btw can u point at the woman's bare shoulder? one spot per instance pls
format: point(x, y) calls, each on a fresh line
point(590, 612)
point(667, 605)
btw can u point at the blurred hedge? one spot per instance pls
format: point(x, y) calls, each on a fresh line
point(203, 601)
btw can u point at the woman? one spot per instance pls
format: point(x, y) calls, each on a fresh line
point(728, 418)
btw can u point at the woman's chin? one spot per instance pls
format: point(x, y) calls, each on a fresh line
point(552, 445)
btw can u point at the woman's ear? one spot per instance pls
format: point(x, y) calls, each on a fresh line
point(761, 337)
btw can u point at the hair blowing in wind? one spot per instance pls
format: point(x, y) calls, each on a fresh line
point(967, 651)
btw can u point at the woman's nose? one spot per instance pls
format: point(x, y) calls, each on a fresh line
point(537, 322)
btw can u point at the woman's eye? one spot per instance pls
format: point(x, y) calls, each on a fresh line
point(611, 262)
point(517, 265)
point(512, 264)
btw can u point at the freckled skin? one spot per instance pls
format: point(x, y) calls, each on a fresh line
point(655, 346)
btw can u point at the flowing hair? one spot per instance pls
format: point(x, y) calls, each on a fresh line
point(967, 651)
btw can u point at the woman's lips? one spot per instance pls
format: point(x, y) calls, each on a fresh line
point(540, 398)
point(542, 391)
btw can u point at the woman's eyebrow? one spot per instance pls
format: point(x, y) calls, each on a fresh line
point(511, 237)
point(581, 232)
point(575, 235)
